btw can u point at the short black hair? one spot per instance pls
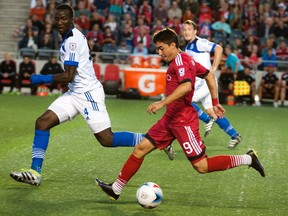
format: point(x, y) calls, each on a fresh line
point(167, 36)
point(66, 7)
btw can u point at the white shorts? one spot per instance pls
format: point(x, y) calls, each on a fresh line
point(91, 105)
point(203, 95)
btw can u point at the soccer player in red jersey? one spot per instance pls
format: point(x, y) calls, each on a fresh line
point(180, 121)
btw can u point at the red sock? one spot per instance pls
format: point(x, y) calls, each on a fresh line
point(223, 162)
point(130, 168)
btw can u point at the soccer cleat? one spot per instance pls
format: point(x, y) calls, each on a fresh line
point(235, 141)
point(256, 164)
point(275, 104)
point(208, 126)
point(27, 176)
point(107, 188)
point(170, 152)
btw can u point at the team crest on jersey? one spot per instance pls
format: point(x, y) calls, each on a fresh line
point(168, 77)
point(72, 46)
point(181, 71)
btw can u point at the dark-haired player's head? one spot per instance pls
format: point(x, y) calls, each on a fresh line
point(189, 30)
point(64, 16)
point(167, 44)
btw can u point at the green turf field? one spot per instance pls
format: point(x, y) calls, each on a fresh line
point(74, 159)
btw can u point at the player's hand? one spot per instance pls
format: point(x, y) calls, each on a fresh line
point(219, 110)
point(154, 107)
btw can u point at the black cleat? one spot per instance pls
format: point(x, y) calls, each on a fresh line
point(107, 188)
point(256, 164)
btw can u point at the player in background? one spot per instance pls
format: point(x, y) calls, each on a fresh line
point(200, 50)
point(180, 121)
point(85, 96)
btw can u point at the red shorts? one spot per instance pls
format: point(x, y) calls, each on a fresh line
point(164, 133)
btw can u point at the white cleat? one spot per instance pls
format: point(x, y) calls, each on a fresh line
point(234, 142)
point(28, 176)
point(208, 126)
point(170, 152)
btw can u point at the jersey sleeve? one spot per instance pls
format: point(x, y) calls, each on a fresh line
point(206, 45)
point(184, 71)
point(72, 55)
point(201, 71)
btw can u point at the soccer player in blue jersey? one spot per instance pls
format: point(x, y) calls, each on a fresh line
point(85, 96)
point(200, 50)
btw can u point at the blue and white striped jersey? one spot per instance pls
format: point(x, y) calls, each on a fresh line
point(74, 51)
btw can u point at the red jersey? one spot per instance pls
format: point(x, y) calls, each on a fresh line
point(182, 69)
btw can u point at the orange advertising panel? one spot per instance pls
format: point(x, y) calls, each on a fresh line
point(149, 82)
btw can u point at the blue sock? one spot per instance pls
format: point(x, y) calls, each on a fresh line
point(201, 115)
point(227, 127)
point(126, 139)
point(40, 143)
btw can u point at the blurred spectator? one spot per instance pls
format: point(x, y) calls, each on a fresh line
point(30, 40)
point(247, 76)
point(205, 12)
point(160, 12)
point(46, 42)
point(269, 86)
point(111, 23)
point(193, 5)
point(124, 52)
point(129, 7)
point(97, 36)
point(53, 37)
point(221, 27)
point(235, 17)
point(50, 9)
point(39, 24)
point(205, 29)
point(266, 27)
point(281, 29)
point(269, 58)
point(116, 7)
point(250, 10)
point(97, 18)
point(221, 11)
point(22, 31)
point(52, 67)
point(254, 59)
point(8, 71)
point(101, 5)
point(265, 10)
point(175, 24)
point(144, 37)
point(39, 10)
point(283, 87)
point(83, 22)
point(34, 2)
point(281, 13)
point(188, 15)
point(140, 24)
point(248, 44)
point(145, 11)
point(233, 61)
point(127, 34)
point(81, 9)
point(282, 50)
point(127, 19)
point(250, 28)
point(94, 47)
point(26, 68)
point(158, 25)
point(174, 11)
point(108, 37)
point(140, 49)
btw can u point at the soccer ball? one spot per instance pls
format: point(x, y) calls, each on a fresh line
point(149, 195)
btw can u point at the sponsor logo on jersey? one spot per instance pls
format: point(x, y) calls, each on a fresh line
point(181, 71)
point(72, 46)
